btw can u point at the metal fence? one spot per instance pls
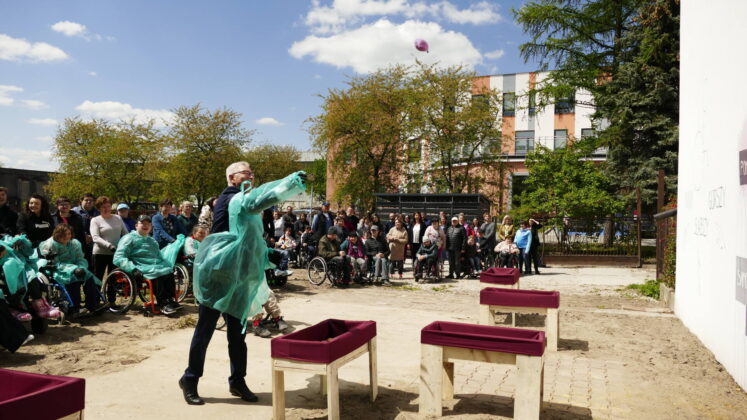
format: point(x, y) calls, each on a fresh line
point(609, 237)
point(666, 227)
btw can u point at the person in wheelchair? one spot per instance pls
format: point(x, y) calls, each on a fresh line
point(138, 254)
point(427, 258)
point(471, 252)
point(192, 243)
point(64, 255)
point(22, 288)
point(308, 244)
point(507, 252)
point(377, 251)
point(354, 250)
point(329, 249)
point(286, 245)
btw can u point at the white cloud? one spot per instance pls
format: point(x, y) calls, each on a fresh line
point(92, 73)
point(494, 55)
point(113, 110)
point(384, 43)
point(17, 49)
point(34, 104)
point(317, 76)
point(42, 121)
point(45, 139)
point(27, 159)
point(268, 121)
point(69, 28)
point(5, 91)
point(342, 14)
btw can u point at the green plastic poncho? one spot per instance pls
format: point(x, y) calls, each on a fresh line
point(19, 266)
point(68, 258)
point(135, 251)
point(229, 269)
point(171, 251)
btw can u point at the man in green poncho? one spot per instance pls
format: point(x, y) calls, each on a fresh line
point(229, 273)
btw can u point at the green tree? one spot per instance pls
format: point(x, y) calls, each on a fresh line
point(362, 130)
point(318, 185)
point(582, 41)
point(641, 104)
point(113, 159)
point(201, 144)
point(270, 162)
point(461, 125)
point(563, 182)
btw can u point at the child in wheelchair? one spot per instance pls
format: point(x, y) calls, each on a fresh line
point(63, 263)
point(507, 253)
point(427, 260)
point(286, 245)
point(356, 255)
point(139, 255)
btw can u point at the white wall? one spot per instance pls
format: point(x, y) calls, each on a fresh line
point(712, 213)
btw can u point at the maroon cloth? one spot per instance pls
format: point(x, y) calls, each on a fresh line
point(484, 337)
point(39, 397)
point(514, 297)
point(312, 345)
point(497, 275)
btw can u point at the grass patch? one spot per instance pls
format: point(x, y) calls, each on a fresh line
point(443, 288)
point(650, 288)
point(406, 287)
point(187, 321)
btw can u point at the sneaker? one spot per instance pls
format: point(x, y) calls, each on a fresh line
point(168, 309)
point(288, 273)
point(386, 282)
point(281, 324)
point(261, 331)
point(279, 273)
point(28, 338)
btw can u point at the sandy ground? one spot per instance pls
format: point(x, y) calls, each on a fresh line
point(620, 356)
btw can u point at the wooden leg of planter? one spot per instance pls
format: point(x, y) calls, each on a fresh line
point(373, 375)
point(487, 316)
point(431, 376)
point(323, 384)
point(447, 392)
point(333, 394)
point(527, 400)
point(278, 395)
point(552, 327)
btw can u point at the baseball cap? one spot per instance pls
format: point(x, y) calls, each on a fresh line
point(144, 218)
point(121, 206)
point(454, 218)
point(374, 227)
point(332, 231)
point(326, 203)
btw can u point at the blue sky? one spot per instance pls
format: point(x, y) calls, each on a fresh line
point(268, 60)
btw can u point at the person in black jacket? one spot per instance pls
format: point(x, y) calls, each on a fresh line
point(70, 218)
point(427, 257)
point(36, 222)
point(456, 243)
point(487, 241)
point(377, 249)
point(8, 218)
point(534, 249)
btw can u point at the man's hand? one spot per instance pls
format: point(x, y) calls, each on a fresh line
point(380, 255)
point(18, 245)
point(89, 239)
point(342, 253)
point(137, 275)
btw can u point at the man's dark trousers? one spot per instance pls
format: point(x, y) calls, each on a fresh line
point(455, 265)
point(208, 318)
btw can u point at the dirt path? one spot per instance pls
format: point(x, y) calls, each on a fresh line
point(620, 356)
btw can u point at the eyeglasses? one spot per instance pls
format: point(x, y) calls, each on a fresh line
point(245, 172)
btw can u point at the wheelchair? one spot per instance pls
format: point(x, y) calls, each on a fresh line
point(183, 279)
point(320, 270)
point(513, 261)
point(125, 289)
point(432, 275)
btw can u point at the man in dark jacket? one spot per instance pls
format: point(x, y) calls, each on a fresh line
point(534, 249)
point(322, 222)
point(71, 218)
point(456, 243)
point(427, 256)
point(87, 211)
point(8, 218)
point(329, 249)
point(289, 220)
point(378, 251)
point(236, 173)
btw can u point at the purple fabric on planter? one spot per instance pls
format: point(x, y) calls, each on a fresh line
point(39, 397)
point(514, 297)
point(497, 275)
point(312, 344)
point(484, 337)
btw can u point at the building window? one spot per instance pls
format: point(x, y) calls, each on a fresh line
point(524, 142)
point(532, 103)
point(561, 139)
point(518, 186)
point(480, 100)
point(587, 132)
point(565, 104)
point(509, 104)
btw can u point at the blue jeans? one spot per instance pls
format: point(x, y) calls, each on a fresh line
point(201, 339)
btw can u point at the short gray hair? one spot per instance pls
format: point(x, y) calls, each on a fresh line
point(235, 167)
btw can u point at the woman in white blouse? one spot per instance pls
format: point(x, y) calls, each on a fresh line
point(106, 230)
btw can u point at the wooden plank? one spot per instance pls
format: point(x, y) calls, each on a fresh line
point(298, 366)
point(373, 375)
point(527, 399)
point(78, 415)
point(458, 353)
point(447, 392)
point(487, 317)
point(431, 376)
point(552, 329)
point(322, 384)
point(519, 309)
point(333, 393)
point(350, 356)
point(278, 395)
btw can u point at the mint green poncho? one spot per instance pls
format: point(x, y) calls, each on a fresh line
point(68, 258)
point(19, 266)
point(229, 269)
point(135, 251)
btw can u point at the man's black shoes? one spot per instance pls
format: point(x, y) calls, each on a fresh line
point(244, 393)
point(190, 393)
